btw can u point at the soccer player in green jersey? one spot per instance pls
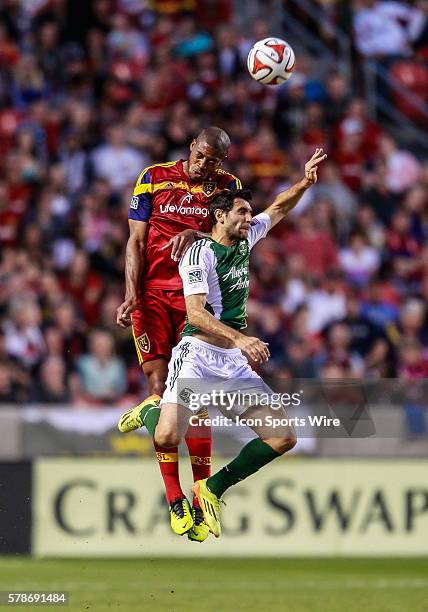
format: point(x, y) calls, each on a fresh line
point(215, 274)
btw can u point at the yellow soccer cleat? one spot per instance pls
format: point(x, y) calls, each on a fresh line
point(132, 419)
point(181, 516)
point(210, 505)
point(199, 531)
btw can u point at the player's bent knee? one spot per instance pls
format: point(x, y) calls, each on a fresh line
point(287, 443)
point(167, 438)
point(283, 444)
point(157, 388)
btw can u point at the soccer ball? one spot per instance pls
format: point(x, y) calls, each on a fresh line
point(271, 61)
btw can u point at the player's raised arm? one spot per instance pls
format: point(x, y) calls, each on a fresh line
point(134, 265)
point(287, 200)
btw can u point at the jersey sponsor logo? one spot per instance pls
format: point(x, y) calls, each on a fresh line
point(195, 276)
point(242, 283)
point(186, 198)
point(143, 343)
point(240, 275)
point(235, 272)
point(209, 187)
point(181, 209)
point(134, 202)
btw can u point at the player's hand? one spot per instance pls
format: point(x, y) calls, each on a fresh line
point(180, 243)
point(124, 311)
point(311, 166)
point(253, 347)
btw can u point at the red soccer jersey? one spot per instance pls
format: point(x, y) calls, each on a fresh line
point(171, 202)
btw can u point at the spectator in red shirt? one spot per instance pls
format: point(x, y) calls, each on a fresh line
point(401, 248)
point(9, 220)
point(413, 363)
point(266, 159)
point(317, 248)
point(315, 133)
point(413, 369)
point(355, 122)
point(350, 159)
point(86, 286)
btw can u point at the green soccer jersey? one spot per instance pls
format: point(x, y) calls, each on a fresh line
point(222, 274)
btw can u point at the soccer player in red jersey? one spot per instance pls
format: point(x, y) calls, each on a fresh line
point(169, 199)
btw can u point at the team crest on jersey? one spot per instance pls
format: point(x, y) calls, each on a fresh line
point(143, 343)
point(209, 187)
point(243, 247)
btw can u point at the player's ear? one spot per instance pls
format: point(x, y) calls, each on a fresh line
point(218, 215)
point(192, 144)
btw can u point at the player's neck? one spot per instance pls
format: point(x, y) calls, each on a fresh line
point(222, 238)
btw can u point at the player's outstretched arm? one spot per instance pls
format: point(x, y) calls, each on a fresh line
point(134, 265)
point(207, 323)
point(288, 199)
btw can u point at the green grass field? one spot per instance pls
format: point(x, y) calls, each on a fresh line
point(327, 585)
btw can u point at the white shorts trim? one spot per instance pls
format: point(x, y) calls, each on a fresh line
point(212, 347)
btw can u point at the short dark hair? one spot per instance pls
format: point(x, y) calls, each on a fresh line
point(216, 138)
point(225, 199)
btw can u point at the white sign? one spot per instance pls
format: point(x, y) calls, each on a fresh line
point(291, 507)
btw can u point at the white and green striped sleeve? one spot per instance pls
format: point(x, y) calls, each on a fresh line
point(195, 268)
point(260, 225)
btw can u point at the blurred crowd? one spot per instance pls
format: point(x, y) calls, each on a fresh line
point(90, 93)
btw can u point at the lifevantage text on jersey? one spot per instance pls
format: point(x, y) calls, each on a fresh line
point(184, 210)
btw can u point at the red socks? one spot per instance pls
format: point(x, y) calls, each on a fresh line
point(168, 464)
point(199, 444)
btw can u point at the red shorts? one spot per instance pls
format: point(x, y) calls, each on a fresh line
point(157, 323)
